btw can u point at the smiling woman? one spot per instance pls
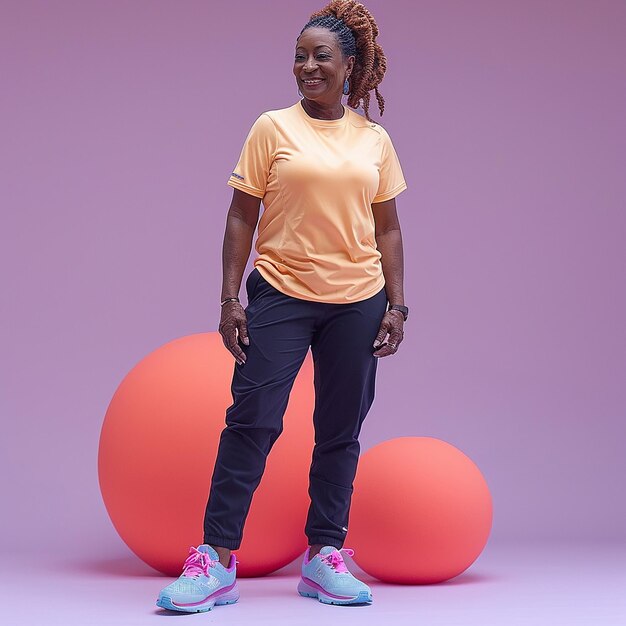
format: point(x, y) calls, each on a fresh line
point(329, 264)
point(320, 69)
point(337, 48)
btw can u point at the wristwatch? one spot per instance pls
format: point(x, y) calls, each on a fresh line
point(400, 307)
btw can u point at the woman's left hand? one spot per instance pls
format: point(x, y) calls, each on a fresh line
point(392, 324)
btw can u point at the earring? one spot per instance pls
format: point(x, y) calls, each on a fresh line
point(346, 87)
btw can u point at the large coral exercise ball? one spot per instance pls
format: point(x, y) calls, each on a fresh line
point(157, 452)
point(424, 500)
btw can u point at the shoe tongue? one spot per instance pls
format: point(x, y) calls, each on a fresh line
point(327, 549)
point(210, 551)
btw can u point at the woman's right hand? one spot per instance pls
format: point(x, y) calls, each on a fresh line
point(233, 321)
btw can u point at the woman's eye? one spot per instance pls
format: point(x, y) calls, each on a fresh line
point(319, 56)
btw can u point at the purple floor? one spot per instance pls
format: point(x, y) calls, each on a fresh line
point(509, 584)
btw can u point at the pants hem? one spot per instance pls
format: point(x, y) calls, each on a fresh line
point(325, 540)
point(214, 540)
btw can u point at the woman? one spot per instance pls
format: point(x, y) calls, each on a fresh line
point(329, 261)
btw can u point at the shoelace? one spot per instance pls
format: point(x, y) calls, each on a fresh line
point(197, 563)
point(335, 560)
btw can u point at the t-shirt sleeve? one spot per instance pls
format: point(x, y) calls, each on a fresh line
point(252, 170)
point(391, 181)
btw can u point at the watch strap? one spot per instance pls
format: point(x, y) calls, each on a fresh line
point(400, 307)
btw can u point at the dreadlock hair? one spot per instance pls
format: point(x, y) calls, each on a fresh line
point(356, 31)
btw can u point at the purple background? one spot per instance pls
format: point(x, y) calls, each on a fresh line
point(121, 122)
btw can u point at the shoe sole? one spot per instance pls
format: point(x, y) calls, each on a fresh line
point(309, 591)
point(230, 597)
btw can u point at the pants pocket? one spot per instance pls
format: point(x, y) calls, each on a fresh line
point(252, 283)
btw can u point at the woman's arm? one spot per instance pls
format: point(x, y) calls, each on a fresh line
point(389, 243)
point(241, 223)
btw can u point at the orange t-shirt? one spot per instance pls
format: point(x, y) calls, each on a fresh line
point(318, 180)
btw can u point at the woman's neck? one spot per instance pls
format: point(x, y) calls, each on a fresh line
point(323, 112)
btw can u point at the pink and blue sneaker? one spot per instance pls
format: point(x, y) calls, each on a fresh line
point(204, 583)
point(327, 578)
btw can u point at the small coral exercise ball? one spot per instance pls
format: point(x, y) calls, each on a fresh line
point(424, 499)
point(157, 452)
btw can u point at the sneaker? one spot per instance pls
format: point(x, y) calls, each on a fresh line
point(204, 583)
point(327, 578)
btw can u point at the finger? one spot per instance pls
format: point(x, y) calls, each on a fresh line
point(395, 339)
point(243, 332)
point(240, 355)
point(383, 351)
point(390, 347)
point(235, 349)
point(382, 333)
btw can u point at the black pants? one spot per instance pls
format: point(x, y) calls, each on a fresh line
point(281, 329)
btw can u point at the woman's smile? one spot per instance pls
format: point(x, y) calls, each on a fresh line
point(312, 83)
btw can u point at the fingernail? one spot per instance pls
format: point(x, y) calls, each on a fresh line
point(246, 341)
point(376, 343)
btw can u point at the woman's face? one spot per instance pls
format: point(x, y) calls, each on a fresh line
point(318, 56)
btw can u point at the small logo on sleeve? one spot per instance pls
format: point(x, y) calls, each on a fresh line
point(237, 176)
